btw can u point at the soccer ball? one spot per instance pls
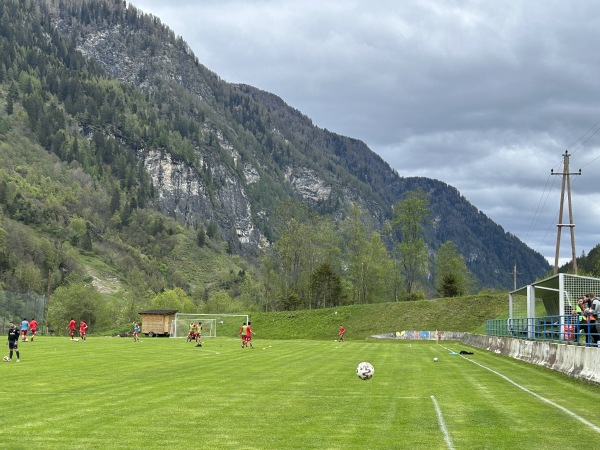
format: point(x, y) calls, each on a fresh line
point(435, 360)
point(6, 359)
point(365, 371)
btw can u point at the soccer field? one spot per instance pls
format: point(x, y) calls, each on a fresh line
point(113, 393)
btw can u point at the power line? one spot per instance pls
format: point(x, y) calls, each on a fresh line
point(576, 146)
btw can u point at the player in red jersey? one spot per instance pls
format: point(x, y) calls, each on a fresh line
point(243, 334)
point(71, 327)
point(82, 330)
point(33, 327)
point(342, 333)
point(249, 334)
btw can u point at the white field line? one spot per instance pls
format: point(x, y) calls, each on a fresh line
point(440, 417)
point(538, 396)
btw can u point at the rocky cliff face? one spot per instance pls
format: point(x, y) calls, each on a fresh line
point(182, 194)
point(181, 191)
point(252, 150)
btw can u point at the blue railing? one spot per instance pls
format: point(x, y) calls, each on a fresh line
point(571, 329)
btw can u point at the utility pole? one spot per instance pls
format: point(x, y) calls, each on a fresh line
point(566, 180)
point(515, 276)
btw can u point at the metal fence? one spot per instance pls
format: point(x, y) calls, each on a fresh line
point(566, 329)
point(16, 306)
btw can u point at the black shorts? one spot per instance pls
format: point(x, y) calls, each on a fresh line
point(13, 345)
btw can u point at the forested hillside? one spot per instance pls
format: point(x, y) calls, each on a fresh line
point(133, 176)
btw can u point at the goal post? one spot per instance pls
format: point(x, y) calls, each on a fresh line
point(180, 327)
point(227, 325)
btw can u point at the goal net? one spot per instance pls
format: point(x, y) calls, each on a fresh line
point(212, 324)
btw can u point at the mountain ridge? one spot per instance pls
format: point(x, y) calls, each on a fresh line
point(377, 186)
point(235, 152)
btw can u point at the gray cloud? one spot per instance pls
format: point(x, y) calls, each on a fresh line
point(485, 96)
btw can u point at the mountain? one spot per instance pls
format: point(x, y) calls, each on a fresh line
point(112, 94)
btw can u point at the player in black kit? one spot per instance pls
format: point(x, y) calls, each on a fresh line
point(13, 340)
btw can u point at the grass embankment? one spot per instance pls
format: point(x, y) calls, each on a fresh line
point(361, 321)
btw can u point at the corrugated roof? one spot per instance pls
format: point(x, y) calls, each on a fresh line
point(159, 311)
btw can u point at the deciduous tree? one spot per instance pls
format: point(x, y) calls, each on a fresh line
point(409, 216)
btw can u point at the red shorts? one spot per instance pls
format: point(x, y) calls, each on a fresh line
point(33, 332)
point(23, 333)
point(248, 338)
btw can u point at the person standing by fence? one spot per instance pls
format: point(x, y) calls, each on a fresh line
point(582, 326)
point(592, 318)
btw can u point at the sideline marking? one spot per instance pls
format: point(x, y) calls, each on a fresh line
point(442, 424)
point(538, 396)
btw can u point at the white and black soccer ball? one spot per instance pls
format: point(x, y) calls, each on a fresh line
point(365, 371)
point(6, 359)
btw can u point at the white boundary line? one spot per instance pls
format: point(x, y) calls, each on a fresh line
point(442, 424)
point(538, 396)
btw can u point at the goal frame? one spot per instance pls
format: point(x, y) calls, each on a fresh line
point(207, 332)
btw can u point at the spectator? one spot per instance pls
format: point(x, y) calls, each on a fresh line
point(582, 326)
point(593, 311)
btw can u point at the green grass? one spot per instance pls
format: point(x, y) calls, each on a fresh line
point(113, 393)
point(361, 321)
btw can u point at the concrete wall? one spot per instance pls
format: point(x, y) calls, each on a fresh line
point(574, 360)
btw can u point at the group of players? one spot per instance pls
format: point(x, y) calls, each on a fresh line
point(246, 335)
point(82, 329)
point(28, 327)
point(195, 334)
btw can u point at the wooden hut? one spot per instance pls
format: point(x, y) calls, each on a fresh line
point(157, 322)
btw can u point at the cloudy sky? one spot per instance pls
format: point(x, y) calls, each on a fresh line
point(484, 96)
